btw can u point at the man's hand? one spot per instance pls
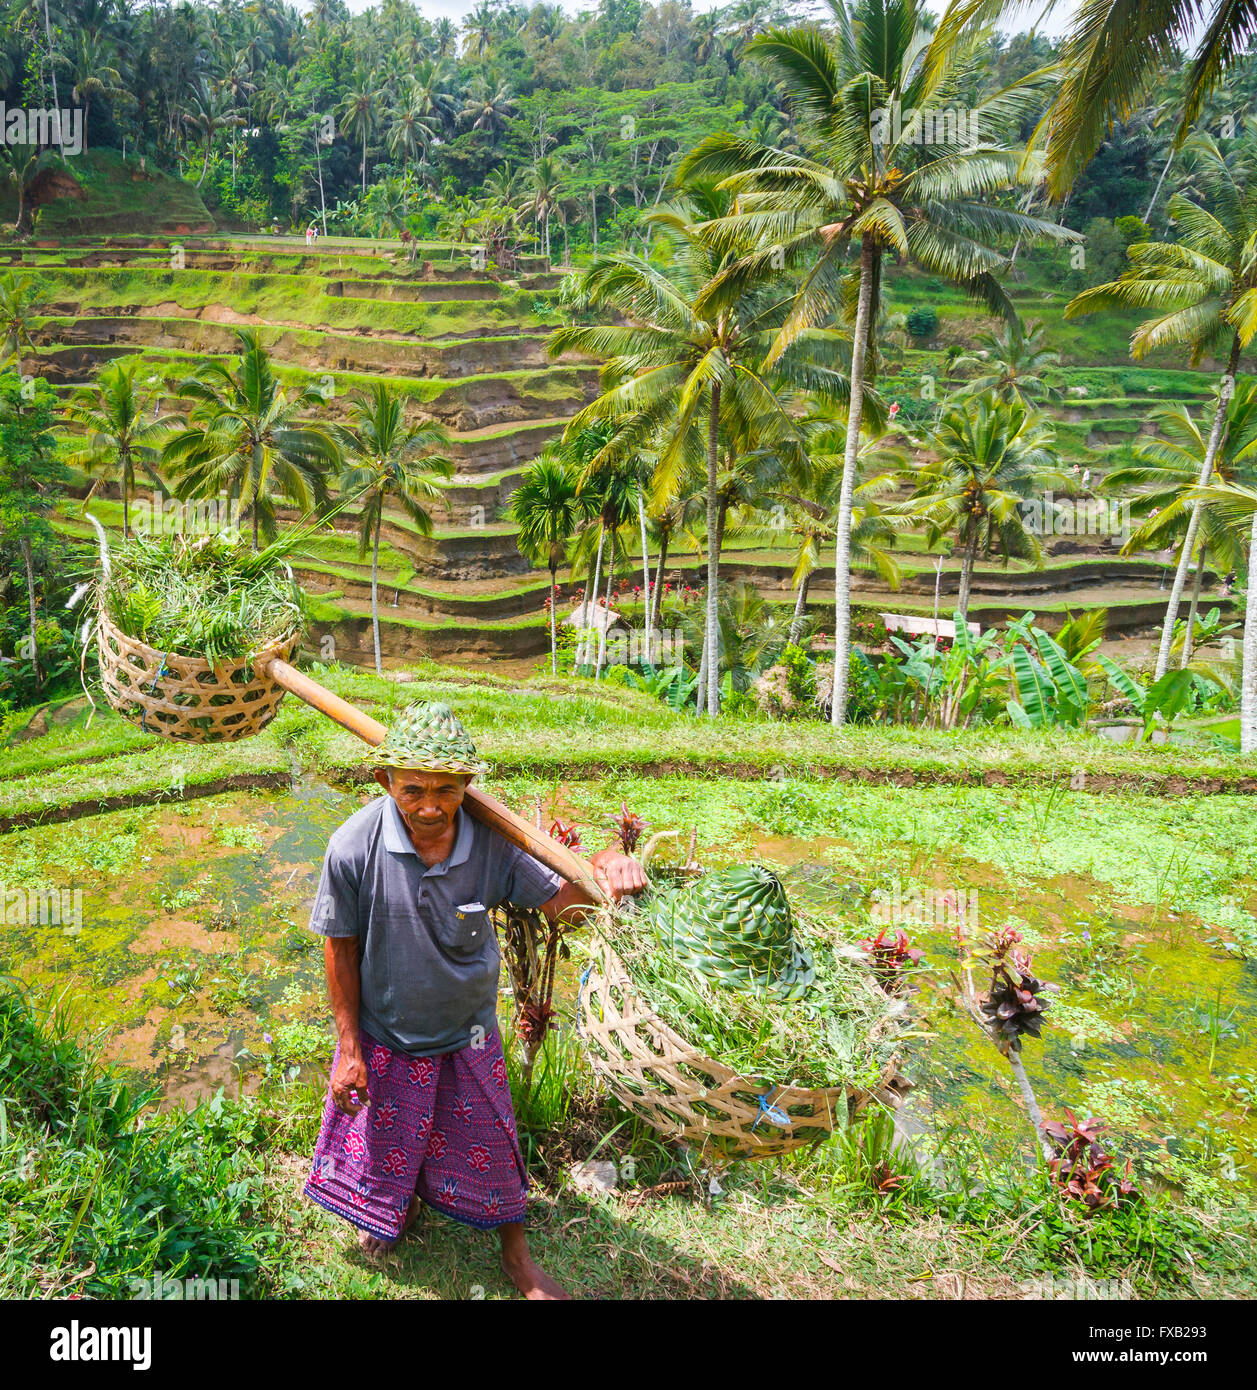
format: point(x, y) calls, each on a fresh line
point(349, 1081)
point(618, 875)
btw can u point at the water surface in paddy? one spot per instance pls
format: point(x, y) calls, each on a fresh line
point(196, 962)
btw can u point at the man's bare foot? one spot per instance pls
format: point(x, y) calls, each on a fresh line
point(530, 1279)
point(522, 1270)
point(374, 1248)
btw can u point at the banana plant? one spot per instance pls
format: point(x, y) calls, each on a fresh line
point(1051, 689)
point(1165, 698)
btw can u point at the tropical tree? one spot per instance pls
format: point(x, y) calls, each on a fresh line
point(1202, 290)
point(211, 110)
point(888, 185)
point(243, 438)
point(121, 434)
point(388, 461)
point(1160, 485)
point(94, 74)
point(545, 187)
point(17, 311)
point(990, 457)
point(489, 102)
point(1238, 506)
point(1111, 57)
point(358, 113)
point(1011, 362)
point(687, 363)
point(548, 511)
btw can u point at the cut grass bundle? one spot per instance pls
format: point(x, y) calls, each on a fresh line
point(736, 1066)
point(838, 1032)
point(209, 598)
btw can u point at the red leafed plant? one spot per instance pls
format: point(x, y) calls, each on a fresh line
point(1081, 1169)
point(890, 959)
point(1012, 1007)
point(565, 834)
point(629, 827)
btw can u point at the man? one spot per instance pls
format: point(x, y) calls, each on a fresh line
point(418, 1107)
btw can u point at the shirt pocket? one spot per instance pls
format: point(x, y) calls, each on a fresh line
point(465, 933)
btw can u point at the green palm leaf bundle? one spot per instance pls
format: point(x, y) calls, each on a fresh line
point(209, 598)
point(766, 990)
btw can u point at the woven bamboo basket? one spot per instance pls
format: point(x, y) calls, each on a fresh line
point(671, 1085)
point(183, 697)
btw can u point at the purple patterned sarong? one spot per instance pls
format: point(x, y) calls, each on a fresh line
point(439, 1127)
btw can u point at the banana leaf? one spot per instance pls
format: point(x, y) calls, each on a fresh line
point(1071, 684)
point(1034, 687)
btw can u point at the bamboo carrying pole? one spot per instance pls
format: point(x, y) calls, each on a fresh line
point(485, 808)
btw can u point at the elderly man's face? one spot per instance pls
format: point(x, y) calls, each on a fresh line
point(427, 801)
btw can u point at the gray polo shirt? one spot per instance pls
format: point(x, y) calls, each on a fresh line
point(429, 954)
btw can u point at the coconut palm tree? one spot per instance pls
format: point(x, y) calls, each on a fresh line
point(358, 113)
point(243, 437)
point(811, 496)
point(1202, 290)
point(990, 457)
point(1237, 505)
point(548, 510)
point(94, 74)
point(869, 176)
point(388, 461)
point(1011, 362)
point(412, 130)
point(211, 111)
point(1164, 475)
point(121, 433)
point(17, 312)
point(688, 359)
point(1113, 54)
point(545, 188)
point(490, 103)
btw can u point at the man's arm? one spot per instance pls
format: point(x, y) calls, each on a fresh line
point(344, 989)
point(617, 874)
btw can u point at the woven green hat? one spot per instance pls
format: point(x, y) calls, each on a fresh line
point(736, 928)
point(428, 737)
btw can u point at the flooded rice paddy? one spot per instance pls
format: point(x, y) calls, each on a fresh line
point(194, 960)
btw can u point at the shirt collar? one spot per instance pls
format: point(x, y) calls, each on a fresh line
point(397, 838)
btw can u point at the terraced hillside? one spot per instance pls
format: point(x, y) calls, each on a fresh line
point(469, 348)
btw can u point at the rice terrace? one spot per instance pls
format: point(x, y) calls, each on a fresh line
point(724, 598)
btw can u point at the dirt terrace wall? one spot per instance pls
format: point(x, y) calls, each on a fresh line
point(498, 609)
point(353, 642)
point(498, 452)
point(334, 351)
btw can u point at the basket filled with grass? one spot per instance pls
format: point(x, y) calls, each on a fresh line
point(186, 629)
point(721, 1016)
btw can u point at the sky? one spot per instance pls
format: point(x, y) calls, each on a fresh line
point(1055, 24)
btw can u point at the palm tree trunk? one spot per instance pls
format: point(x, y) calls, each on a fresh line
point(850, 464)
point(800, 608)
point(364, 159)
point(554, 640)
point(593, 217)
point(1191, 611)
point(375, 601)
point(602, 636)
point(1156, 192)
point(656, 599)
point(711, 639)
point(52, 72)
point(1225, 392)
point(966, 571)
point(1248, 683)
point(205, 163)
point(587, 644)
point(28, 560)
point(641, 522)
